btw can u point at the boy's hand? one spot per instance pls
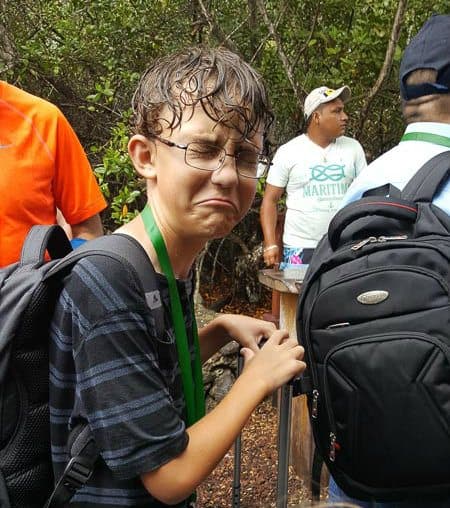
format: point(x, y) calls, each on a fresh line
point(247, 331)
point(276, 363)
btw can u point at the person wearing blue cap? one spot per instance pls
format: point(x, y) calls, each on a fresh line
point(425, 91)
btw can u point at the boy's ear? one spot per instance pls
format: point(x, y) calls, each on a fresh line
point(142, 153)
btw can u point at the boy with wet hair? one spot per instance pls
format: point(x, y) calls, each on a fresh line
point(200, 119)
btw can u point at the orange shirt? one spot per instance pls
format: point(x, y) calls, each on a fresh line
point(42, 167)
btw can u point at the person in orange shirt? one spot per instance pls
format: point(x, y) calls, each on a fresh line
point(43, 168)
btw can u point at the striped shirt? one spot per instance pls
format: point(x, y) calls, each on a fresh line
point(108, 367)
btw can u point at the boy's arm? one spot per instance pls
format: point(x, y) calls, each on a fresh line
point(276, 363)
point(245, 330)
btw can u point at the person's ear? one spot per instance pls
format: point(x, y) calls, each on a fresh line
point(316, 117)
point(142, 152)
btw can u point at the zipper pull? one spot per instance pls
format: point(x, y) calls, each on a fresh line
point(332, 455)
point(387, 238)
point(315, 401)
point(360, 244)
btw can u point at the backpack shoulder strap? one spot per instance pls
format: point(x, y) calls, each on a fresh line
point(132, 252)
point(121, 247)
point(386, 190)
point(41, 238)
point(84, 453)
point(428, 180)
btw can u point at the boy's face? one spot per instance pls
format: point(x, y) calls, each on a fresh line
point(194, 203)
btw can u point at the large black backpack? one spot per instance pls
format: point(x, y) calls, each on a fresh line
point(374, 318)
point(28, 293)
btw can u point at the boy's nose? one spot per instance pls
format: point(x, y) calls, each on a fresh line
point(227, 174)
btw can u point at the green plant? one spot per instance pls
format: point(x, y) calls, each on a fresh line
point(117, 177)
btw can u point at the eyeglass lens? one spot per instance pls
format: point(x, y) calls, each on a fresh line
point(211, 158)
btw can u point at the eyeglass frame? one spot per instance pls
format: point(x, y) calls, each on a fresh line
point(172, 144)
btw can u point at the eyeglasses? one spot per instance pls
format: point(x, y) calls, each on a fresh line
point(211, 158)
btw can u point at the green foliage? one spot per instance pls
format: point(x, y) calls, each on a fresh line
point(117, 177)
point(87, 57)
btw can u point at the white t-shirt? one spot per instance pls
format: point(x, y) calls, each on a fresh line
point(399, 165)
point(315, 179)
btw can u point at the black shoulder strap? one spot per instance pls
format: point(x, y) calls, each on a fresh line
point(132, 252)
point(83, 450)
point(428, 180)
point(386, 190)
point(84, 453)
point(41, 238)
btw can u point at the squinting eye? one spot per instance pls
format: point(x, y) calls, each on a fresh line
point(202, 151)
point(248, 157)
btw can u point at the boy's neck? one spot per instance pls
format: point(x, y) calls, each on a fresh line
point(182, 254)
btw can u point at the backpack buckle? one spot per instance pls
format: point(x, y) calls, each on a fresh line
point(77, 473)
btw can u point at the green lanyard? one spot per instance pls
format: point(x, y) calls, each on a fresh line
point(192, 381)
point(428, 137)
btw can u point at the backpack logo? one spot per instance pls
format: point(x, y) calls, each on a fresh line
point(372, 297)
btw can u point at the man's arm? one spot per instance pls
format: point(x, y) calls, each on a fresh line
point(268, 216)
point(88, 229)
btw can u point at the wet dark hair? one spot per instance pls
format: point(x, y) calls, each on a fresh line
point(229, 90)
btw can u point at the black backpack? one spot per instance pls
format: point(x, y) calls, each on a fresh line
point(28, 293)
point(374, 319)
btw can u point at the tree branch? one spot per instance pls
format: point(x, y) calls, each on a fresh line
point(7, 49)
point(268, 36)
point(216, 31)
point(311, 33)
point(288, 67)
point(387, 64)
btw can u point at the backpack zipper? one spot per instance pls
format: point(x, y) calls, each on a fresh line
point(380, 239)
point(315, 403)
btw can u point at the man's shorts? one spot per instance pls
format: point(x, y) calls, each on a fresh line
point(294, 256)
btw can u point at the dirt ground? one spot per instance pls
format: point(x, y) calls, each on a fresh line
point(258, 469)
point(258, 451)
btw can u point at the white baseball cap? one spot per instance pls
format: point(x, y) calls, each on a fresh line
point(322, 95)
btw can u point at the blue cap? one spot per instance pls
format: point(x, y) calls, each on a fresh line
point(429, 49)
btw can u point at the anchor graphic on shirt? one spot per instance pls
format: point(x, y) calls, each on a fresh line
point(334, 172)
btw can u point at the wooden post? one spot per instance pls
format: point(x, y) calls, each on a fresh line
point(288, 284)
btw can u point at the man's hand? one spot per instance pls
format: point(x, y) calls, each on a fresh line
point(271, 255)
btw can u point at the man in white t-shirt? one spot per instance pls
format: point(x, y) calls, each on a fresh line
point(315, 169)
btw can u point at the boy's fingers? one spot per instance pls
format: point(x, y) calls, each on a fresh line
point(246, 353)
point(278, 336)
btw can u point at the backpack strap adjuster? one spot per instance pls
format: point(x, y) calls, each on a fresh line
point(77, 473)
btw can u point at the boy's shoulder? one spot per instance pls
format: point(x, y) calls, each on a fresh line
point(103, 283)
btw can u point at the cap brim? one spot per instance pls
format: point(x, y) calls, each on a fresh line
point(342, 93)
